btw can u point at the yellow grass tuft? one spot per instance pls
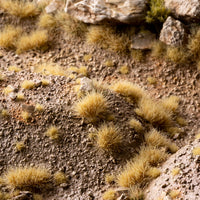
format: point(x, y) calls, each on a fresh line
point(20, 146)
point(196, 151)
point(174, 194)
point(175, 171)
point(109, 195)
point(87, 57)
point(181, 121)
point(173, 130)
point(27, 177)
point(59, 177)
point(109, 178)
point(50, 69)
point(124, 69)
point(106, 37)
point(198, 135)
point(9, 35)
point(37, 197)
point(91, 107)
point(20, 97)
point(151, 80)
point(7, 90)
point(81, 70)
point(28, 84)
point(35, 40)
point(153, 172)
point(14, 68)
point(109, 63)
point(136, 193)
point(109, 138)
point(52, 132)
point(128, 89)
point(39, 107)
point(176, 55)
point(2, 77)
point(46, 21)
point(19, 8)
point(45, 82)
point(133, 173)
point(154, 112)
point(135, 124)
point(171, 103)
point(137, 55)
point(4, 113)
point(25, 115)
point(155, 138)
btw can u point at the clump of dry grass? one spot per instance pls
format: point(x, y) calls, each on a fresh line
point(109, 138)
point(81, 70)
point(109, 178)
point(136, 193)
point(128, 89)
point(52, 132)
point(196, 151)
point(109, 63)
point(151, 80)
point(35, 40)
point(155, 138)
point(9, 35)
point(20, 96)
point(110, 194)
point(194, 44)
point(174, 194)
point(171, 103)
point(154, 112)
point(106, 37)
point(59, 177)
point(135, 124)
point(4, 113)
point(70, 25)
point(124, 69)
point(175, 171)
point(25, 116)
point(153, 172)
point(27, 177)
point(7, 90)
point(91, 107)
point(14, 68)
point(20, 146)
point(181, 121)
point(137, 55)
point(50, 69)
point(46, 21)
point(158, 49)
point(87, 57)
point(28, 84)
point(19, 8)
point(45, 82)
point(176, 54)
point(39, 107)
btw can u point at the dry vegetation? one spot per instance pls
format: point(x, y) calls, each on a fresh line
point(27, 177)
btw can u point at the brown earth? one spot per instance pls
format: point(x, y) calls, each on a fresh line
point(75, 154)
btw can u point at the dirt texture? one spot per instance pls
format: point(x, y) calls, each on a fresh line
point(74, 153)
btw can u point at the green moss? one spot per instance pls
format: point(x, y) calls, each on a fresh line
point(157, 12)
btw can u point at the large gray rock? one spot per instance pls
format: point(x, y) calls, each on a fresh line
point(186, 9)
point(96, 11)
point(173, 32)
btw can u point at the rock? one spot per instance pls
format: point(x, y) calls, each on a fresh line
point(86, 85)
point(143, 40)
point(97, 11)
point(173, 32)
point(53, 6)
point(185, 9)
point(24, 195)
point(13, 95)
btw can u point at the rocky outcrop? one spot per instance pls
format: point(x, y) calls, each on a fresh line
point(185, 9)
point(97, 11)
point(180, 176)
point(173, 32)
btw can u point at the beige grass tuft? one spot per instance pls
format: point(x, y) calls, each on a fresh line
point(91, 107)
point(9, 35)
point(19, 8)
point(46, 21)
point(28, 84)
point(59, 177)
point(110, 194)
point(171, 103)
point(14, 68)
point(136, 193)
point(50, 69)
point(128, 89)
point(35, 40)
point(124, 69)
point(158, 49)
point(109, 178)
point(20, 146)
point(153, 172)
point(154, 112)
point(155, 138)
point(52, 132)
point(196, 151)
point(109, 138)
point(27, 177)
point(135, 124)
point(175, 171)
